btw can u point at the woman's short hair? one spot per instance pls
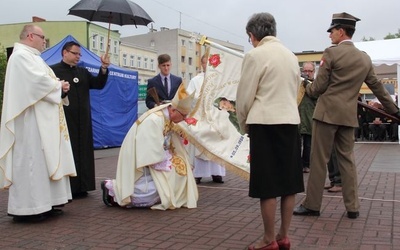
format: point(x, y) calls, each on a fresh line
point(261, 25)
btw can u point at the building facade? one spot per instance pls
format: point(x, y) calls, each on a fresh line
point(137, 52)
point(181, 45)
point(88, 34)
point(141, 59)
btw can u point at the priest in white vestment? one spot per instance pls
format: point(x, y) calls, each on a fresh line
point(35, 152)
point(203, 167)
point(153, 166)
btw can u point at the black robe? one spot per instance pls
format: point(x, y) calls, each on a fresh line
point(79, 121)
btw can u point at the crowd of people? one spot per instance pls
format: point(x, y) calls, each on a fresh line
point(311, 129)
point(374, 126)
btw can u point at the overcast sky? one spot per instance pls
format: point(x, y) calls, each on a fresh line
point(301, 24)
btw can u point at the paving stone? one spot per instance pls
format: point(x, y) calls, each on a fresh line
point(226, 218)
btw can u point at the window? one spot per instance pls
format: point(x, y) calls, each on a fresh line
point(183, 59)
point(152, 43)
point(132, 61)
point(152, 64)
point(124, 56)
point(183, 74)
point(190, 61)
point(190, 45)
point(102, 43)
point(145, 62)
point(47, 44)
point(94, 41)
point(115, 47)
point(183, 42)
point(139, 62)
point(190, 76)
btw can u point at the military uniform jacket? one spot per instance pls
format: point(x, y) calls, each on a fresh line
point(342, 71)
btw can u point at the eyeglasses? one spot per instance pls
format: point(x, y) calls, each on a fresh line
point(308, 71)
point(184, 116)
point(41, 36)
point(74, 53)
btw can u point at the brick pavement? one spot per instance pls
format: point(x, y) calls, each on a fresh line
point(226, 218)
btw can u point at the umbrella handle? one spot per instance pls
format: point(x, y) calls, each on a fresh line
point(108, 35)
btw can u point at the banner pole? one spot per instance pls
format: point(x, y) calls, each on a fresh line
point(203, 40)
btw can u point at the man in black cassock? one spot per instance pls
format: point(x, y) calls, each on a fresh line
point(78, 113)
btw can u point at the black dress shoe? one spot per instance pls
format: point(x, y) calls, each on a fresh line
point(108, 200)
point(54, 212)
point(302, 210)
point(217, 178)
point(29, 218)
point(353, 215)
point(198, 180)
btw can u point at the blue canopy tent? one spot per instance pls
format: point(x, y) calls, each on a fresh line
point(114, 108)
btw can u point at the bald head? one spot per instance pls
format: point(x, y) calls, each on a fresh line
point(32, 36)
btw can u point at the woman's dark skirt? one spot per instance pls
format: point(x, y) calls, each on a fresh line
point(275, 161)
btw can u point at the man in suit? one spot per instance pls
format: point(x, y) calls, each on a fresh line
point(165, 83)
point(343, 69)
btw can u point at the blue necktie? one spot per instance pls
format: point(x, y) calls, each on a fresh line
point(166, 85)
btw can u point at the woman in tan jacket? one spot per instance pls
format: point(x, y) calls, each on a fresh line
point(266, 106)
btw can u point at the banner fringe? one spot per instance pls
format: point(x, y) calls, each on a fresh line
point(230, 167)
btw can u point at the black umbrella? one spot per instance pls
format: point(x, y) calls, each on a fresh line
point(121, 12)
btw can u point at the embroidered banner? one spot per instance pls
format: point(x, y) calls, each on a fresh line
point(213, 127)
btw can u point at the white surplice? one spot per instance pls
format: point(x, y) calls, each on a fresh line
point(35, 152)
point(143, 146)
point(203, 167)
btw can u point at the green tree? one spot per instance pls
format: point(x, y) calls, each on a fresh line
point(393, 36)
point(388, 36)
point(3, 65)
point(364, 39)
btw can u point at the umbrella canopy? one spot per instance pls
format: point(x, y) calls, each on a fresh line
point(121, 12)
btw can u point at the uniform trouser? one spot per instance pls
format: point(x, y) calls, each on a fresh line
point(324, 136)
point(333, 170)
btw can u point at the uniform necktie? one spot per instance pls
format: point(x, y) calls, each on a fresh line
point(166, 85)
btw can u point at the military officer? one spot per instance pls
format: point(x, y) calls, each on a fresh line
point(342, 71)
